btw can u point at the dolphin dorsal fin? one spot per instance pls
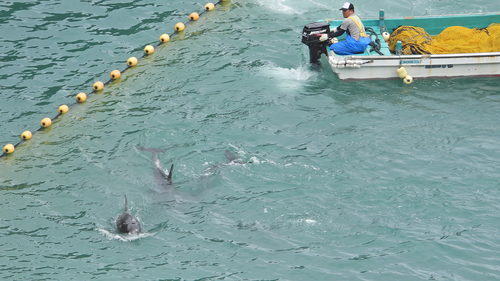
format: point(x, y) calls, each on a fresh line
point(126, 204)
point(169, 177)
point(230, 156)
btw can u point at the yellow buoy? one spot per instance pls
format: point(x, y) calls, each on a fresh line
point(179, 26)
point(115, 74)
point(386, 36)
point(81, 97)
point(8, 148)
point(26, 135)
point(402, 72)
point(194, 16)
point(132, 61)
point(209, 6)
point(46, 122)
point(148, 50)
point(164, 38)
point(63, 109)
point(98, 86)
point(408, 79)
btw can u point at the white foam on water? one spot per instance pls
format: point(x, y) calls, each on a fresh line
point(298, 7)
point(123, 237)
point(288, 77)
point(255, 160)
point(310, 221)
point(325, 5)
point(280, 7)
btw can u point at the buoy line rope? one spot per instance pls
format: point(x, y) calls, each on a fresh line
point(115, 74)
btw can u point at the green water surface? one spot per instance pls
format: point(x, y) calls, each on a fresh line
point(369, 180)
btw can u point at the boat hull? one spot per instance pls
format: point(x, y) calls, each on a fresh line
point(384, 64)
point(417, 66)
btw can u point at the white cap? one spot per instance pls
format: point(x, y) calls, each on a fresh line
point(346, 6)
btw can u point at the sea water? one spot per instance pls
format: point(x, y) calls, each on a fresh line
point(368, 180)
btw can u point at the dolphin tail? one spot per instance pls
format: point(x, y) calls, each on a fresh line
point(169, 177)
point(152, 150)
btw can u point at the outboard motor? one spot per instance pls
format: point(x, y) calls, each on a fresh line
point(310, 37)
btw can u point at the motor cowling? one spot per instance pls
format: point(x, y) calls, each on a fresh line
point(310, 36)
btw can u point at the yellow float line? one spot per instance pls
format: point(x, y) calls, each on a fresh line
point(115, 74)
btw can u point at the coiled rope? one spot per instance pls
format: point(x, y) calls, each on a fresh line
point(376, 46)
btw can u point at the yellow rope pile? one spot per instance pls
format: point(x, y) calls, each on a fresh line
point(453, 40)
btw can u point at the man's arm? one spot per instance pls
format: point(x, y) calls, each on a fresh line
point(336, 32)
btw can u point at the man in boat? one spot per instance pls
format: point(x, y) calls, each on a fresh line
point(356, 39)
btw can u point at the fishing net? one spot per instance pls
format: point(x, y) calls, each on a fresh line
point(414, 40)
point(453, 40)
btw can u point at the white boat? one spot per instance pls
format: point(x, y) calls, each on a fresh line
point(384, 64)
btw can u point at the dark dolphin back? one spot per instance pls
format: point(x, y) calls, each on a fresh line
point(161, 177)
point(126, 223)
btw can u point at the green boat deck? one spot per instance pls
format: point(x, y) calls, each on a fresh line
point(433, 25)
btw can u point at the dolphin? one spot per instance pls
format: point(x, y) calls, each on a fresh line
point(162, 178)
point(231, 158)
point(126, 223)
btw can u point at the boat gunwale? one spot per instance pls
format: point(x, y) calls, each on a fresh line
point(418, 17)
point(424, 56)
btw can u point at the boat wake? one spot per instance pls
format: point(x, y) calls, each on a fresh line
point(301, 73)
point(278, 6)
